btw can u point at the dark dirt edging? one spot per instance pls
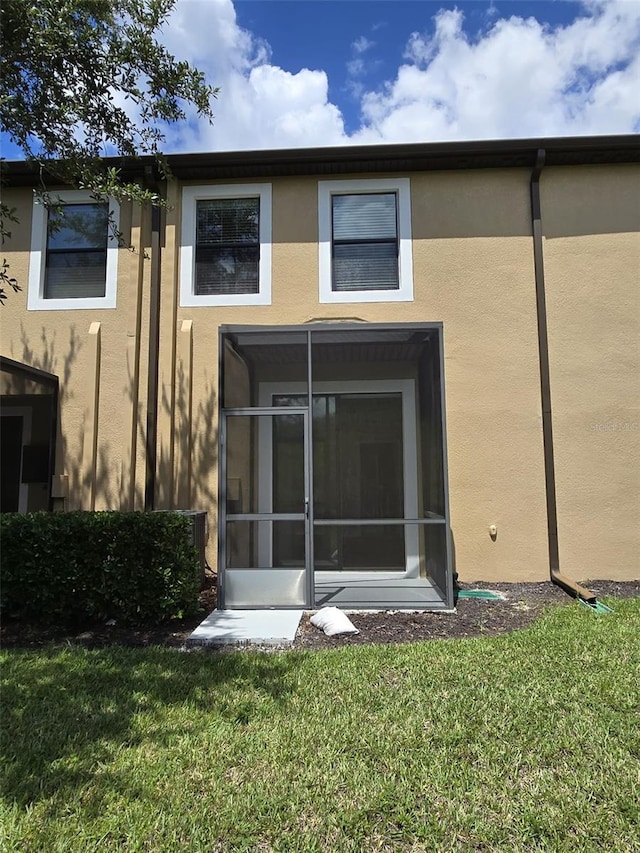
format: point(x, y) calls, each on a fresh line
point(523, 604)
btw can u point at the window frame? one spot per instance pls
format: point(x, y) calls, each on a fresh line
point(326, 191)
point(191, 195)
point(36, 300)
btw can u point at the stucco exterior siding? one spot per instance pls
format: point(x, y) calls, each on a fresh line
point(592, 262)
point(98, 357)
point(473, 271)
point(481, 287)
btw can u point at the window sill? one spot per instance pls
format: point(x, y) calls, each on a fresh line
point(81, 304)
point(191, 300)
point(347, 296)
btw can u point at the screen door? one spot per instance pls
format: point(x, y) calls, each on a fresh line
point(264, 550)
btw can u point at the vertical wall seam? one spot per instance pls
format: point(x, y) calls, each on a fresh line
point(137, 360)
point(174, 303)
point(154, 348)
point(135, 279)
point(184, 416)
point(92, 438)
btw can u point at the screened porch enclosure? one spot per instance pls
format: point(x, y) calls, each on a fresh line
point(332, 476)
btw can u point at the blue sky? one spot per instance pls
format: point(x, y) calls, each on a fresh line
point(335, 72)
point(363, 41)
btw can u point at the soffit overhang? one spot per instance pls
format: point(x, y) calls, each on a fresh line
point(367, 159)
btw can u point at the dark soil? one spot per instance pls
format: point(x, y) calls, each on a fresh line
point(523, 603)
point(18, 634)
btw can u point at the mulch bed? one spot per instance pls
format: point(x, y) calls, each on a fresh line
point(523, 603)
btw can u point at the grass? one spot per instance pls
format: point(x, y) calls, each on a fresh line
point(523, 742)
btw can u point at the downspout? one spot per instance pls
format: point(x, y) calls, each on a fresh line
point(154, 349)
point(556, 575)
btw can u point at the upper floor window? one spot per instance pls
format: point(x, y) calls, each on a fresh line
point(365, 241)
point(74, 253)
point(226, 245)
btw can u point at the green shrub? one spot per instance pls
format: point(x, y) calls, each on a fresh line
point(71, 567)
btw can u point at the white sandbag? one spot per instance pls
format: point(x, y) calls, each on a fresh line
point(333, 621)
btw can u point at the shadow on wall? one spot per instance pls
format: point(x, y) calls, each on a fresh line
point(588, 200)
point(68, 450)
point(187, 458)
point(86, 477)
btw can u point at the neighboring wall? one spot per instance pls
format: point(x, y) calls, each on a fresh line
point(591, 222)
point(100, 359)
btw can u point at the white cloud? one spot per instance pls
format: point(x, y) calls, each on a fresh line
point(516, 78)
point(260, 105)
point(356, 67)
point(362, 44)
point(359, 67)
point(519, 78)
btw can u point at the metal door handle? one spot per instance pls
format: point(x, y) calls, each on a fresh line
point(306, 508)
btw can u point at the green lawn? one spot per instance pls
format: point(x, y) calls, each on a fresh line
point(524, 742)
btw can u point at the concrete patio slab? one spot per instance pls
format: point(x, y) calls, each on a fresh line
point(239, 627)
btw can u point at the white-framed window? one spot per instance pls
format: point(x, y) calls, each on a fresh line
point(364, 236)
point(225, 250)
point(74, 253)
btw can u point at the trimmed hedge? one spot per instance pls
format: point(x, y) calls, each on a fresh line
point(71, 567)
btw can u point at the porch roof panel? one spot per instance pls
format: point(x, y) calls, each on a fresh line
point(332, 343)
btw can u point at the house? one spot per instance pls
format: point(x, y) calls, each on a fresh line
point(376, 368)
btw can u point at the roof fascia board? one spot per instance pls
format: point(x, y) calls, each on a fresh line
point(359, 159)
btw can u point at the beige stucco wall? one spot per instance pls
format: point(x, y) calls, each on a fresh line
point(473, 271)
point(97, 356)
point(592, 262)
